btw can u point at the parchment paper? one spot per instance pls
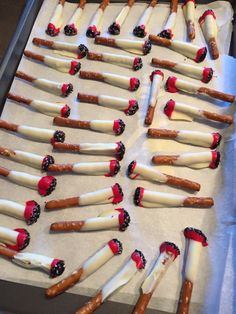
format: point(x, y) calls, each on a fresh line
point(214, 289)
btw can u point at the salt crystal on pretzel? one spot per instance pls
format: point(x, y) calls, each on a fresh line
point(55, 267)
point(174, 84)
point(207, 159)
point(72, 26)
point(139, 170)
point(168, 253)
point(209, 28)
point(88, 267)
point(189, 14)
point(44, 185)
point(140, 47)
point(201, 73)
point(126, 82)
point(16, 239)
point(105, 126)
point(37, 134)
point(179, 111)
point(108, 169)
point(191, 51)
point(112, 195)
point(129, 269)
point(110, 149)
point(94, 27)
point(203, 139)
point(48, 108)
point(140, 29)
point(63, 48)
point(114, 28)
point(29, 212)
point(134, 63)
point(119, 220)
point(167, 31)
point(146, 198)
point(60, 89)
point(129, 107)
point(55, 23)
point(156, 79)
point(195, 240)
point(30, 159)
point(63, 65)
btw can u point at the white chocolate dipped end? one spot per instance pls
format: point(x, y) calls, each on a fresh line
point(167, 31)
point(179, 111)
point(208, 25)
point(29, 212)
point(191, 51)
point(134, 63)
point(51, 109)
point(197, 138)
point(33, 160)
point(140, 29)
point(168, 253)
point(146, 198)
point(195, 240)
point(136, 263)
point(114, 28)
point(63, 65)
point(201, 73)
point(174, 84)
point(51, 265)
point(139, 170)
point(128, 106)
point(16, 239)
point(72, 26)
point(139, 47)
point(189, 14)
point(119, 220)
point(94, 28)
point(93, 263)
point(56, 21)
point(108, 126)
point(126, 82)
point(157, 82)
point(108, 169)
point(105, 196)
point(61, 89)
point(209, 28)
point(207, 159)
point(40, 134)
point(112, 194)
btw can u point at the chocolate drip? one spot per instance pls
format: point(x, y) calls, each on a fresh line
point(57, 269)
point(130, 168)
point(121, 128)
point(138, 64)
point(120, 151)
point(82, 50)
point(166, 33)
point(132, 109)
point(117, 168)
point(126, 221)
point(27, 239)
point(47, 160)
point(139, 31)
point(217, 142)
point(69, 89)
point(70, 30)
point(59, 136)
point(174, 246)
point(137, 196)
point(34, 214)
point(147, 47)
point(120, 247)
point(198, 231)
point(51, 187)
point(217, 161)
point(144, 261)
point(203, 55)
point(114, 29)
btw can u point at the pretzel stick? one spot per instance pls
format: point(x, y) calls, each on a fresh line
point(213, 48)
point(6, 252)
point(183, 183)
point(63, 203)
point(162, 133)
point(71, 123)
point(25, 76)
point(87, 98)
point(218, 117)
point(198, 202)
point(91, 75)
point(216, 94)
point(19, 99)
point(42, 42)
point(8, 126)
point(164, 159)
point(92, 305)
point(34, 56)
point(142, 303)
point(174, 5)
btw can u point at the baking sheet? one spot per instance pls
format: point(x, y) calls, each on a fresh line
point(149, 227)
